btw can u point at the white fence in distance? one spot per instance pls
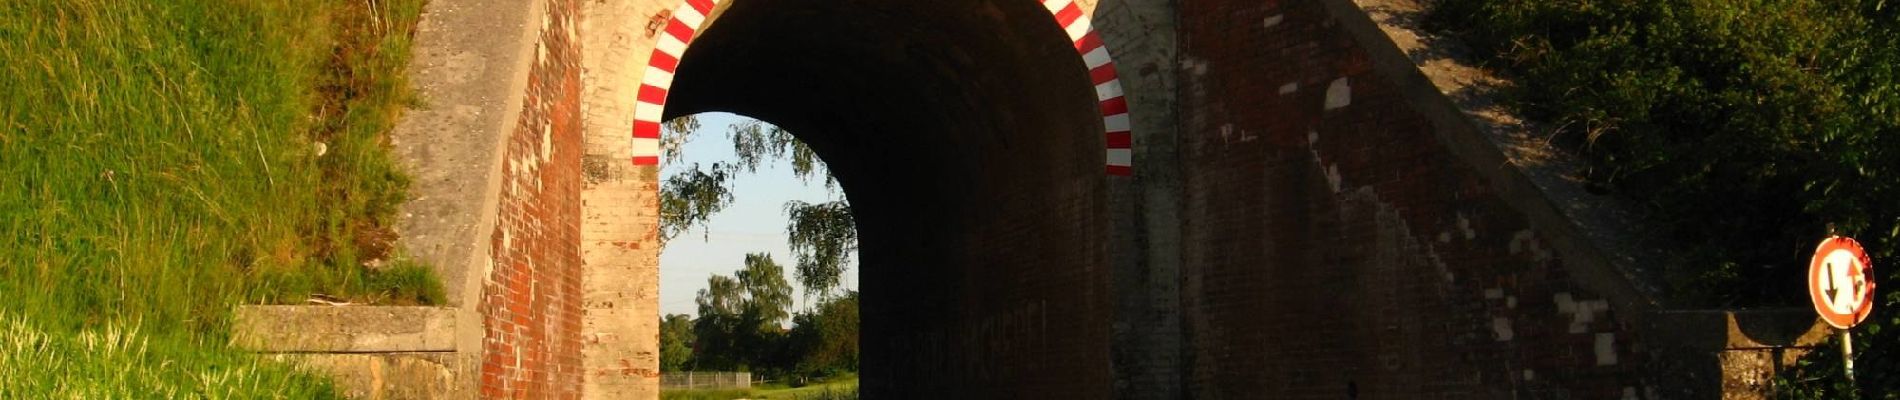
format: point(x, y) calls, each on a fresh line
point(705, 380)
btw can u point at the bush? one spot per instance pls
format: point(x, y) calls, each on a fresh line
point(1747, 130)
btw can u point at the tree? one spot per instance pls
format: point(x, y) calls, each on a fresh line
point(676, 342)
point(768, 298)
point(825, 340)
point(739, 318)
point(823, 235)
point(1744, 131)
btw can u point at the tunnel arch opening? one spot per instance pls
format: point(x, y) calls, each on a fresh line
point(734, 189)
point(971, 138)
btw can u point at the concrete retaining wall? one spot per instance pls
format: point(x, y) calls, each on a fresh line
point(373, 353)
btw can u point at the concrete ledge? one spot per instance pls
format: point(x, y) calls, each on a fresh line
point(1717, 330)
point(1728, 354)
point(392, 375)
point(345, 329)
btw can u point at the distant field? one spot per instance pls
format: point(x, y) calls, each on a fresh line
point(162, 161)
point(839, 389)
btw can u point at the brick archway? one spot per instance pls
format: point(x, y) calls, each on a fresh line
point(977, 141)
point(693, 15)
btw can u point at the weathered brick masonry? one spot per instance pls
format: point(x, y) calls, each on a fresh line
point(1298, 225)
point(530, 305)
point(1334, 245)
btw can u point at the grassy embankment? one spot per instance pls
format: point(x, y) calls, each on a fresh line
point(160, 163)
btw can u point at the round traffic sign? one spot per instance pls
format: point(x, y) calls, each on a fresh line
point(1840, 281)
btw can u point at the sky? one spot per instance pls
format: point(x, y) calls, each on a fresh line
point(754, 222)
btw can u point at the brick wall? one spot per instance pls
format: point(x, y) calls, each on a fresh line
point(1329, 243)
point(1335, 246)
point(531, 300)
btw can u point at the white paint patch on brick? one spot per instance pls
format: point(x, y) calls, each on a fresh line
point(1596, 306)
point(1096, 58)
point(1117, 123)
point(547, 144)
point(1583, 315)
point(1564, 302)
point(1444, 237)
point(1273, 20)
point(1339, 94)
point(1501, 329)
point(1108, 90)
point(1057, 5)
point(1333, 178)
point(1493, 293)
point(1121, 156)
point(1510, 301)
point(1198, 67)
point(1530, 375)
point(1606, 349)
point(1518, 241)
point(1629, 393)
point(1464, 225)
point(1080, 27)
point(1289, 88)
point(689, 16)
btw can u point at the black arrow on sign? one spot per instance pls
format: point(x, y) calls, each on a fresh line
point(1831, 289)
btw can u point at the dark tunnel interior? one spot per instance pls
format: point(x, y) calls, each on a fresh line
point(966, 134)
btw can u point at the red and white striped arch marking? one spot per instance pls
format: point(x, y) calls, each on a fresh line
point(687, 19)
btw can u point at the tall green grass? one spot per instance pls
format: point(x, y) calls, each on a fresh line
point(120, 362)
point(159, 164)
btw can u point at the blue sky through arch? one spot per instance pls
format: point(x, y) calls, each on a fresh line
point(755, 222)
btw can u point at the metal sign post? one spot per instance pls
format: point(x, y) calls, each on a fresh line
point(1847, 354)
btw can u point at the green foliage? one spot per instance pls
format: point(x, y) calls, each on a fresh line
point(1748, 130)
point(768, 297)
point(823, 236)
point(160, 157)
point(403, 282)
point(756, 142)
point(709, 394)
point(676, 342)
point(842, 388)
point(1820, 375)
point(406, 283)
point(692, 197)
point(738, 327)
point(123, 362)
point(824, 341)
point(678, 132)
point(159, 163)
